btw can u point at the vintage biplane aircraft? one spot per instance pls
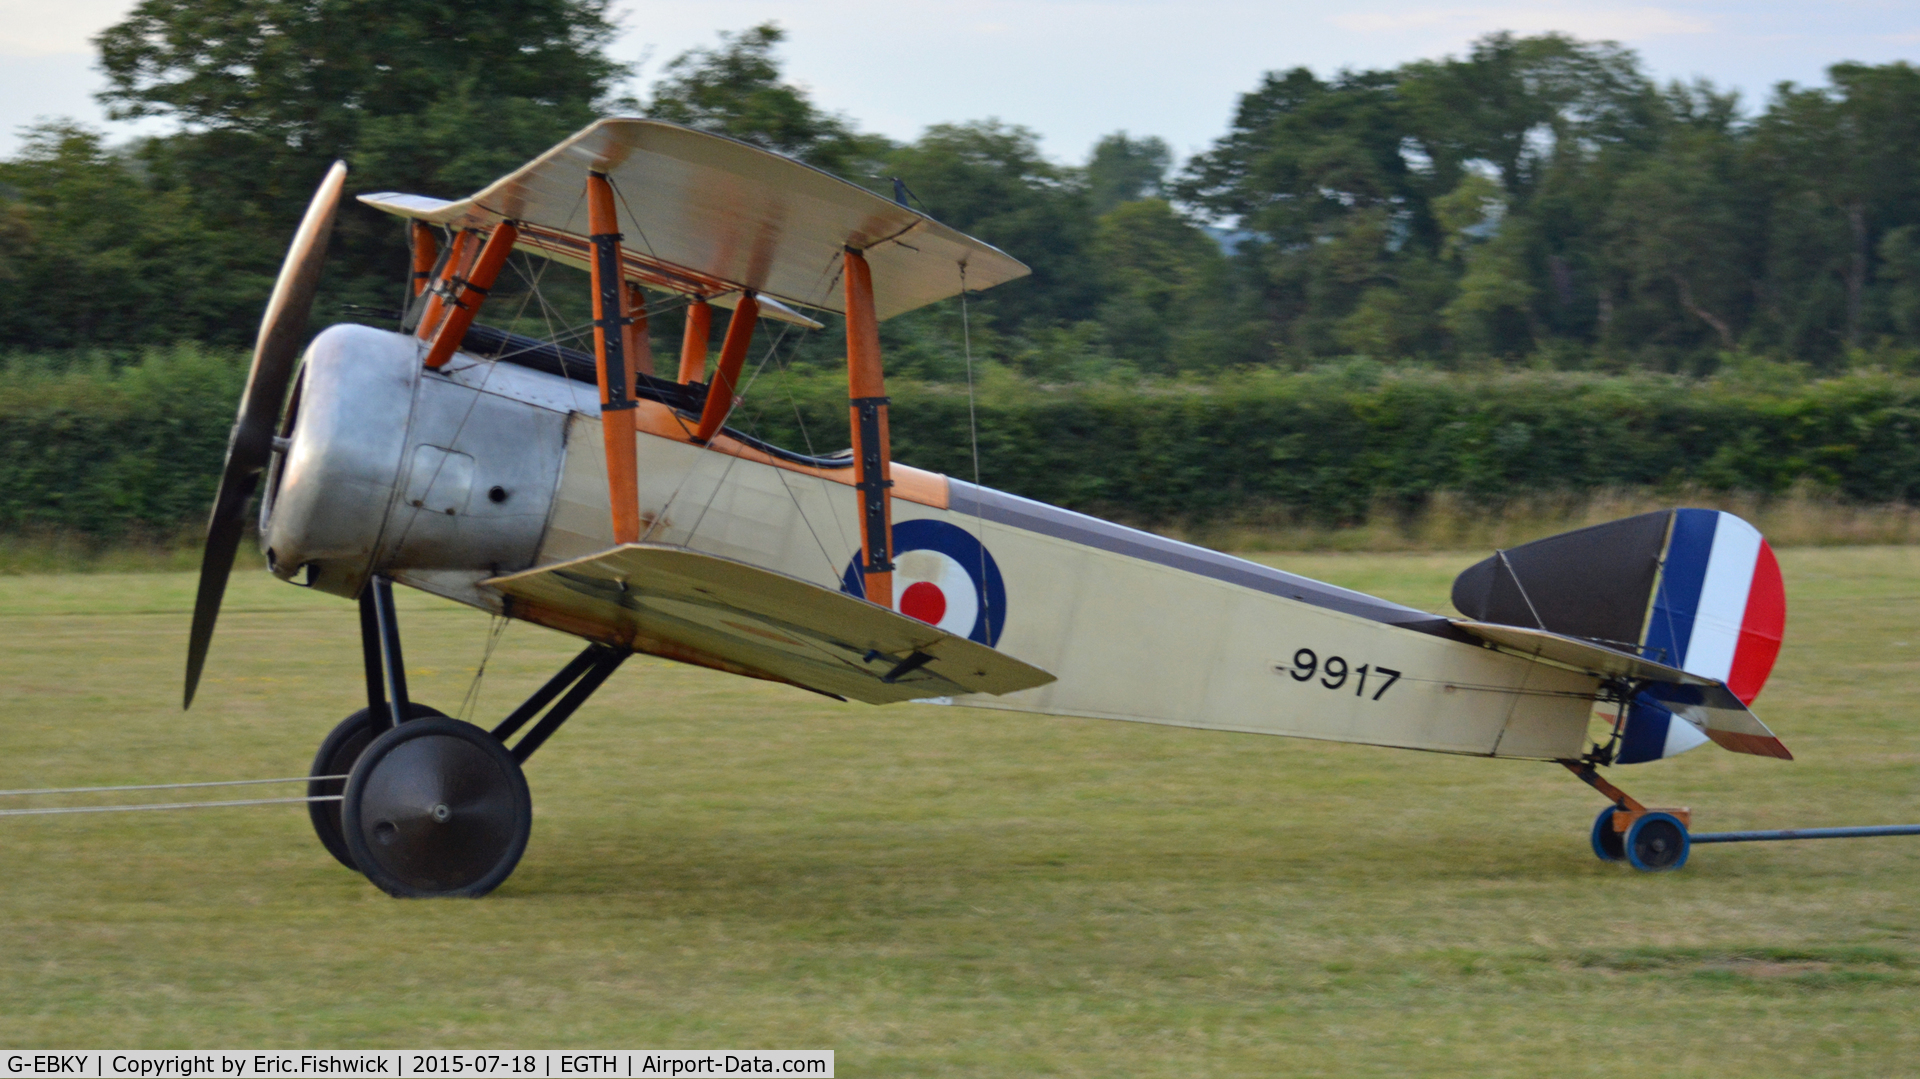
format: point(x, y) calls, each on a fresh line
point(597, 496)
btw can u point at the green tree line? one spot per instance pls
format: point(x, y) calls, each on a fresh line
point(1537, 201)
point(1526, 268)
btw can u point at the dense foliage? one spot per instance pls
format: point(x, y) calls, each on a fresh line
point(99, 447)
point(1613, 271)
point(89, 445)
point(1538, 200)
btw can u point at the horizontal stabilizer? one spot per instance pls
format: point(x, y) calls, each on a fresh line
point(685, 604)
point(1670, 695)
point(1577, 654)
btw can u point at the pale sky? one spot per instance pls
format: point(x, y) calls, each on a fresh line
point(1074, 70)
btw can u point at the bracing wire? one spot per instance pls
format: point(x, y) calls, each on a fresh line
point(633, 217)
point(495, 631)
point(733, 459)
point(739, 398)
point(966, 342)
point(973, 439)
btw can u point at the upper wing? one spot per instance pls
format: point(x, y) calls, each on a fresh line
point(705, 215)
point(678, 602)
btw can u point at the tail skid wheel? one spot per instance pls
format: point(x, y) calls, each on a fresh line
point(1608, 844)
point(436, 807)
point(338, 750)
point(1657, 841)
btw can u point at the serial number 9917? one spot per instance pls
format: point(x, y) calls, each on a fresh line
point(1336, 672)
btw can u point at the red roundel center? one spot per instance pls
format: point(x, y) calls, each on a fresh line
point(925, 601)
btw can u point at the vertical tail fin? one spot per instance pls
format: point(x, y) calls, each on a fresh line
point(1698, 590)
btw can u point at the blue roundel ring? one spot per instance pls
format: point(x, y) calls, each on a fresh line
point(961, 546)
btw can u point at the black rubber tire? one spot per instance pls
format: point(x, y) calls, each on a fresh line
point(338, 750)
point(1657, 842)
point(1608, 845)
point(437, 807)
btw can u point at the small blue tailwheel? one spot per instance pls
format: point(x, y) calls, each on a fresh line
point(1657, 841)
point(1608, 845)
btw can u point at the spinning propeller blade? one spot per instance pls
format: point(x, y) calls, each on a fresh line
point(282, 329)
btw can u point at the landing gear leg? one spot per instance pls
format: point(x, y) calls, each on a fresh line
point(1649, 840)
point(437, 807)
point(386, 675)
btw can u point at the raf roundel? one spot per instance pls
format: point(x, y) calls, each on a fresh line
point(944, 577)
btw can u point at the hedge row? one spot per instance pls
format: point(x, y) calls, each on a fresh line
point(105, 448)
point(102, 449)
point(1328, 447)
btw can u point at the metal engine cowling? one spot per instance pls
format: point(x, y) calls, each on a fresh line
point(389, 468)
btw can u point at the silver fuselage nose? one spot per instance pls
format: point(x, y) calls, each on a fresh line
point(392, 469)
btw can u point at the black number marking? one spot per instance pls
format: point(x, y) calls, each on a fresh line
point(1308, 665)
point(1392, 677)
point(1335, 670)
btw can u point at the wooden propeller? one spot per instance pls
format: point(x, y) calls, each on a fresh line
point(283, 330)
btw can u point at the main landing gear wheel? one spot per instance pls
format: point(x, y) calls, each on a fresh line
point(338, 750)
point(1657, 841)
point(1608, 844)
point(436, 807)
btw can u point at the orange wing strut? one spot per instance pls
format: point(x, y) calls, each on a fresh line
point(872, 454)
point(638, 347)
point(726, 374)
point(456, 265)
point(470, 293)
point(693, 344)
point(425, 249)
point(609, 340)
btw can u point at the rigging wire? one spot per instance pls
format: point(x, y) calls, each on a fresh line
point(973, 438)
point(794, 497)
point(471, 701)
point(740, 398)
point(633, 217)
point(732, 459)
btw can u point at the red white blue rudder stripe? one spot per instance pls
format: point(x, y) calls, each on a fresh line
point(1719, 611)
point(1720, 608)
point(943, 576)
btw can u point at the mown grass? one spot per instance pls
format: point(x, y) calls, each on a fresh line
point(47, 550)
point(942, 892)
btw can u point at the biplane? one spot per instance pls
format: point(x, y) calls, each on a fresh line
point(609, 498)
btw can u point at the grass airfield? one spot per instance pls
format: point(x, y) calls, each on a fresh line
point(931, 891)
